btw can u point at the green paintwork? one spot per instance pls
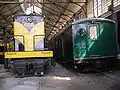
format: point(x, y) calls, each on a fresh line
point(74, 43)
point(79, 42)
point(104, 45)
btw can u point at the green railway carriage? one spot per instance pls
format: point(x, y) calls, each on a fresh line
point(87, 42)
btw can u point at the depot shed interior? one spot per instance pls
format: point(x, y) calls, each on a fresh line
point(58, 14)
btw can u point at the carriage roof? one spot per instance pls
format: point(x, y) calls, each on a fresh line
point(93, 19)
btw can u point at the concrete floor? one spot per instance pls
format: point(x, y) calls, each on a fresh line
point(60, 78)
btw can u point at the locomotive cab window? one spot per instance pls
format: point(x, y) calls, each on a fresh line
point(93, 32)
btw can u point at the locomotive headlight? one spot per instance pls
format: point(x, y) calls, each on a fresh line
point(29, 19)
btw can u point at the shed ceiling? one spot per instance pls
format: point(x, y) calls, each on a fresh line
point(56, 12)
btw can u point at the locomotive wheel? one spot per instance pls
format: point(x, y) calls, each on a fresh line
point(81, 68)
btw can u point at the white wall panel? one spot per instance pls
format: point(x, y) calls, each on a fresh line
point(92, 5)
point(105, 5)
point(116, 3)
point(90, 8)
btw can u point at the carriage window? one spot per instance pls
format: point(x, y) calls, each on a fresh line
point(79, 29)
point(93, 32)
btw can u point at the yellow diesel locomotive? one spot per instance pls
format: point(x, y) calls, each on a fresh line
point(30, 56)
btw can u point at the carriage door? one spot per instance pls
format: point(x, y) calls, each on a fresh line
point(79, 40)
point(93, 34)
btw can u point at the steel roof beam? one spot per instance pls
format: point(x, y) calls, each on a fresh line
point(47, 19)
point(52, 25)
point(16, 2)
point(52, 13)
point(56, 22)
point(55, 25)
point(59, 16)
point(2, 26)
point(59, 22)
point(57, 12)
point(11, 14)
point(58, 8)
point(6, 19)
point(80, 6)
point(47, 27)
point(58, 19)
point(54, 10)
point(61, 11)
point(54, 16)
point(2, 7)
point(8, 16)
point(54, 3)
point(8, 9)
point(46, 11)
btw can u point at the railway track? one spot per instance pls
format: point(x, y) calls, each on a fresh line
point(91, 81)
point(111, 76)
point(107, 79)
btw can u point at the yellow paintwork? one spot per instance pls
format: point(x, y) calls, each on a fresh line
point(1, 44)
point(8, 44)
point(37, 38)
point(1, 53)
point(20, 29)
point(20, 38)
point(28, 54)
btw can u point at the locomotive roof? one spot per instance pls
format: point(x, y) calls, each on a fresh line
point(93, 19)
